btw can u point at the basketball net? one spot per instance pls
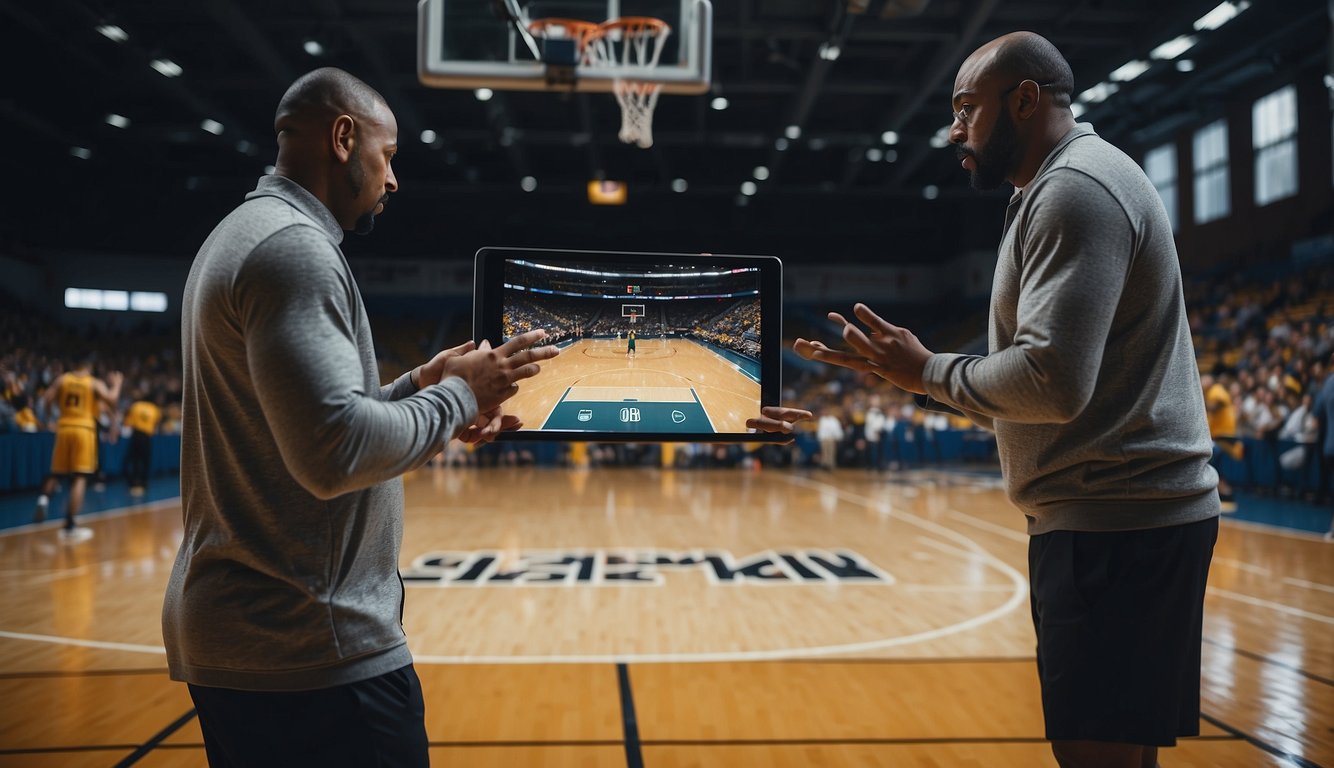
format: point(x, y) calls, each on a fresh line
point(632, 41)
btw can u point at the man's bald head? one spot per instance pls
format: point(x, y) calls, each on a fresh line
point(1027, 56)
point(318, 97)
point(337, 138)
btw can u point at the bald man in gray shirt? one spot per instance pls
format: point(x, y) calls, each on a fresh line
point(1091, 386)
point(283, 612)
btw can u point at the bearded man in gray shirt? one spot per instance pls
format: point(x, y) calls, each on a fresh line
point(1091, 386)
point(283, 612)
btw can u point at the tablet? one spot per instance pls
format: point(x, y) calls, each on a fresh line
point(654, 346)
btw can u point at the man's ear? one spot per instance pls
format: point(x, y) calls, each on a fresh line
point(344, 135)
point(1029, 93)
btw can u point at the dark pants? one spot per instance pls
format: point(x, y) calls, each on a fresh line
point(376, 722)
point(137, 459)
point(1118, 618)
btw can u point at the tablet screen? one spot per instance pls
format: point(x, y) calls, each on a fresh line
point(653, 346)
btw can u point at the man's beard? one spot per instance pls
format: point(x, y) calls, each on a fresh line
point(365, 223)
point(995, 160)
point(356, 178)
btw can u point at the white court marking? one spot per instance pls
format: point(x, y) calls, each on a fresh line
point(967, 548)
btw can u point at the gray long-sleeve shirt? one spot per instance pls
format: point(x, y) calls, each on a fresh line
point(287, 577)
point(1090, 381)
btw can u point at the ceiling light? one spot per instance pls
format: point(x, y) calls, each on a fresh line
point(719, 103)
point(890, 137)
point(166, 67)
point(119, 121)
point(761, 173)
point(528, 183)
point(313, 47)
point(1221, 15)
point(83, 153)
point(1130, 70)
point(483, 94)
point(941, 138)
point(1099, 92)
point(1185, 65)
point(930, 191)
point(679, 185)
point(1078, 110)
point(781, 144)
point(818, 144)
point(1174, 47)
point(429, 136)
point(748, 188)
point(891, 155)
point(830, 51)
point(792, 132)
point(212, 126)
point(874, 154)
point(269, 170)
point(245, 147)
point(113, 33)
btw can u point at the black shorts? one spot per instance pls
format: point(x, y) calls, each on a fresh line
point(378, 722)
point(1118, 618)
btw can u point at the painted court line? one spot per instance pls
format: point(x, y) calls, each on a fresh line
point(1281, 608)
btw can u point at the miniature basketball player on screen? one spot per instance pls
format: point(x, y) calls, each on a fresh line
point(630, 347)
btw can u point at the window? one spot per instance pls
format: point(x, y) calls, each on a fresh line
point(1274, 137)
point(1211, 173)
point(117, 301)
point(1160, 164)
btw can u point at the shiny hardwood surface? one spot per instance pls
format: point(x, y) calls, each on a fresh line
point(670, 366)
point(930, 664)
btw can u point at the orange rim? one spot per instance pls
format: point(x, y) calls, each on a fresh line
point(581, 32)
point(637, 25)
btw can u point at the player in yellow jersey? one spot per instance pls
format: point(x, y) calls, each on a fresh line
point(142, 418)
point(77, 394)
point(1222, 416)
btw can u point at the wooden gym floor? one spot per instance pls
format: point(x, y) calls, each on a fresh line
point(639, 617)
point(661, 369)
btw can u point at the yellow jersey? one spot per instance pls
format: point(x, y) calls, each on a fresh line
point(77, 401)
point(143, 417)
point(1222, 413)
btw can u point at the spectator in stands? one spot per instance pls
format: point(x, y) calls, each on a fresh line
point(874, 429)
point(1323, 406)
point(283, 610)
point(829, 431)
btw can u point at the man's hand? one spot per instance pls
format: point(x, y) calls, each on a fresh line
point(489, 425)
point(775, 418)
point(493, 373)
point(890, 352)
point(433, 371)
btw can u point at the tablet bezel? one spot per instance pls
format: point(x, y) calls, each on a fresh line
point(488, 297)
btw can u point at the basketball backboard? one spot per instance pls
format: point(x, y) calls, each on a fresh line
point(469, 44)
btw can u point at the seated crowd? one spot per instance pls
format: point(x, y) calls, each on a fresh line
point(1266, 342)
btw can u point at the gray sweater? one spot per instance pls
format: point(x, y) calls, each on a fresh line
point(1090, 382)
point(287, 578)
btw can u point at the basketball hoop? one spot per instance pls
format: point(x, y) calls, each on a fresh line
point(581, 32)
point(632, 41)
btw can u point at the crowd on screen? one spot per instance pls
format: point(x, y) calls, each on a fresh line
point(1268, 343)
point(733, 325)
